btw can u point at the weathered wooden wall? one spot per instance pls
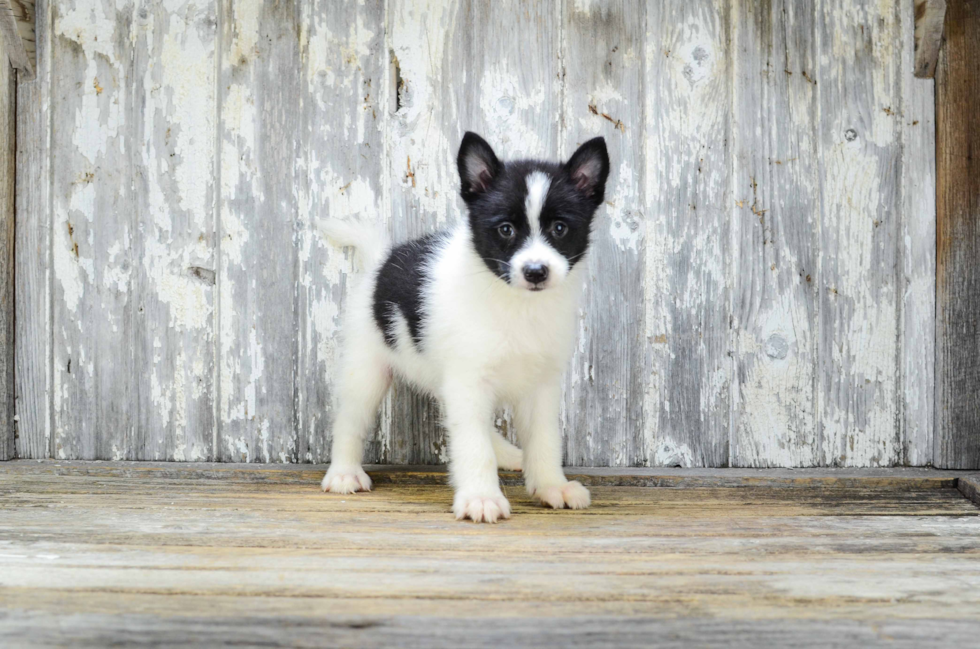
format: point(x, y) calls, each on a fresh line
point(761, 291)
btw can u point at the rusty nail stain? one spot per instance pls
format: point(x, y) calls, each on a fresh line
point(410, 173)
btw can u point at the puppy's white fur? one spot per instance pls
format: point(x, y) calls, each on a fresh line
point(486, 343)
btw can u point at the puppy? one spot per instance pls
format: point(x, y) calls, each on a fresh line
point(480, 315)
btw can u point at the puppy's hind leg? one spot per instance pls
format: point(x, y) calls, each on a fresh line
point(537, 427)
point(508, 456)
point(363, 383)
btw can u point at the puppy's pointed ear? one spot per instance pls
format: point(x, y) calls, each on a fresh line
point(588, 169)
point(478, 166)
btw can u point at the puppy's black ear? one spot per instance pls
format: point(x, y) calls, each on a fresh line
point(588, 169)
point(478, 166)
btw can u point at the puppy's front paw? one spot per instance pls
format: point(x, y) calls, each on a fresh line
point(345, 480)
point(570, 494)
point(481, 508)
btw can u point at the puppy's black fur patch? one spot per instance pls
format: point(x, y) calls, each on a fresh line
point(399, 284)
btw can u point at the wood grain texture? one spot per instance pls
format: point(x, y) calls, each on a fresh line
point(894, 478)
point(96, 629)
point(258, 266)
point(8, 165)
point(33, 261)
point(928, 36)
point(775, 215)
point(860, 234)
point(957, 442)
point(24, 12)
point(970, 488)
point(12, 13)
point(602, 54)
point(174, 557)
point(688, 193)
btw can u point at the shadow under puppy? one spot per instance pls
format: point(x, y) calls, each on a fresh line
point(480, 316)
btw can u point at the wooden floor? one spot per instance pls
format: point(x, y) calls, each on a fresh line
point(100, 554)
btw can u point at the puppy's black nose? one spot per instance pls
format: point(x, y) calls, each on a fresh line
point(535, 273)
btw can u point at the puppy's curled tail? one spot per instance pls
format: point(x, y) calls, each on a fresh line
point(367, 239)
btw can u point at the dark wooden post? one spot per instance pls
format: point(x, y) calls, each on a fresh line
point(957, 440)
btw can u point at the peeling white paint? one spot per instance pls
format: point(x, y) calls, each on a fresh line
point(66, 266)
point(670, 453)
point(244, 25)
point(89, 27)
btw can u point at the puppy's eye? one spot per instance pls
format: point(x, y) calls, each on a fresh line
point(506, 231)
point(559, 229)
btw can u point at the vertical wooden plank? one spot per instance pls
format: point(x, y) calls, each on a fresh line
point(32, 253)
point(957, 439)
point(917, 344)
point(341, 165)
point(859, 94)
point(174, 272)
point(603, 70)
point(687, 266)
point(260, 131)
point(487, 67)
point(775, 212)
point(8, 159)
point(92, 149)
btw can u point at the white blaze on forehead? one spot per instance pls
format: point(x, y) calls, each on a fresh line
point(538, 184)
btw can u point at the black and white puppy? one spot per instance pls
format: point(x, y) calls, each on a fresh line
point(480, 316)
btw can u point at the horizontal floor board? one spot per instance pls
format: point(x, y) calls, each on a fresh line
point(898, 477)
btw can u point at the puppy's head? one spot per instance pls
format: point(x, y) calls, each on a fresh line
point(531, 221)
